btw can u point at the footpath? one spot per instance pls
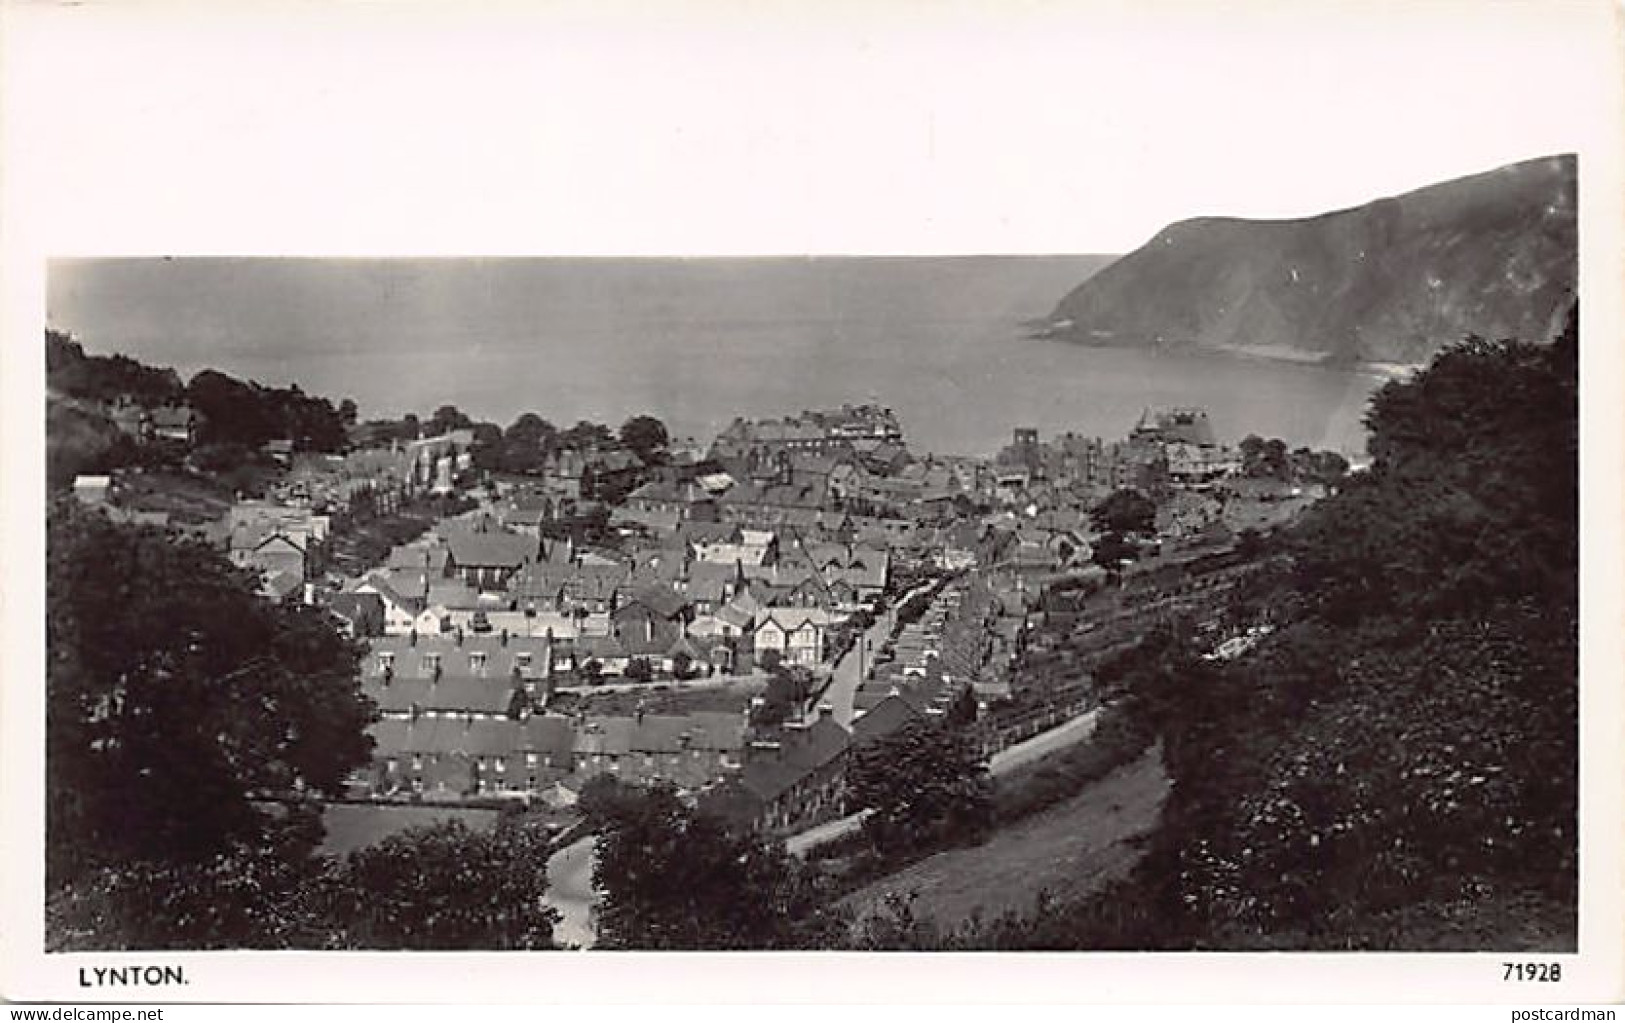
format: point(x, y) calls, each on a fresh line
point(1021, 754)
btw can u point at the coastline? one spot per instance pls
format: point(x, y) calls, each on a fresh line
point(1266, 353)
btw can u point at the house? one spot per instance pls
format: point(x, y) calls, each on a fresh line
point(649, 622)
point(789, 782)
point(93, 491)
point(795, 634)
point(526, 521)
point(400, 610)
point(488, 558)
point(431, 558)
point(527, 658)
point(361, 615)
point(176, 423)
point(281, 586)
point(443, 759)
point(269, 553)
point(279, 450)
point(606, 651)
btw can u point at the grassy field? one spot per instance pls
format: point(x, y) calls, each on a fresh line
point(352, 826)
point(1068, 850)
point(674, 699)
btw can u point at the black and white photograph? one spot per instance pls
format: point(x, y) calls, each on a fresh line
point(1054, 480)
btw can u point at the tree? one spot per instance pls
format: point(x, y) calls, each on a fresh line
point(447, 887)
point(1400, 753)
point(585, 436)
point(671, 877)
point(444, 887)
point(348, 411)
point(645, 436)
point(1112, 550)
point(447, 418)
point(250, 895)
point(787, 689)
point(925, 783)
point(1125, 511)
point(174, 692)
point(638, 669)
point(682, 665)
point(525, 444)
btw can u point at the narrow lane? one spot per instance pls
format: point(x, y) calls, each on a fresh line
point(569, 890)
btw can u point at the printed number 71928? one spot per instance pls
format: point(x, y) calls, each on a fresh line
point(1539, 972)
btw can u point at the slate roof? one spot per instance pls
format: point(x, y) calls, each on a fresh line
point(281, 585)
point(420, 557)
point(471, 693)
point(491, 549)
point(802, 751)
point(659, 598)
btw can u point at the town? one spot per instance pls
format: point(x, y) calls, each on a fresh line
point(541, 608)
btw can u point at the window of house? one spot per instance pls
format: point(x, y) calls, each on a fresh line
point(522, 658)
point(417, 763)
point(431, 662)
point(476, 661)
point(502, 766)
point(530, 760)
point(386, 660)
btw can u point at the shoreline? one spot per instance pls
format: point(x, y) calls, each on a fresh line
point(1382, 370)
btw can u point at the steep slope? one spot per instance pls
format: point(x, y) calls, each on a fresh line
point(1493, 254)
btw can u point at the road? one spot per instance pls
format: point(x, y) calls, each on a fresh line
point(1025, 752)
point(842, 692)
point(1003, 762)
point(569, 890)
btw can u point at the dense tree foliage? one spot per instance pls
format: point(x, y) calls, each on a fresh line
point(174, 692)
point(1396, 765)
point(446, 418)
point(788, 687)
point(645, 436)
point(69, 371)
point(671, 877)
point(1265, 458)
point(246, 413)
point(444, 887)
point(1125, 511)
point(925, 783)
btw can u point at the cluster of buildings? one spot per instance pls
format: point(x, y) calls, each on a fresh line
point(702, 599)
point(465, 717)
point(171, 423)
point(774, 546)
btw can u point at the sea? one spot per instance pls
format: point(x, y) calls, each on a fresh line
point(944, 341)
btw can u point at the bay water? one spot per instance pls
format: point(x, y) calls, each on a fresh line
point(696, 342)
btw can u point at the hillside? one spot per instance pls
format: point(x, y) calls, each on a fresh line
point(1493, 254)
